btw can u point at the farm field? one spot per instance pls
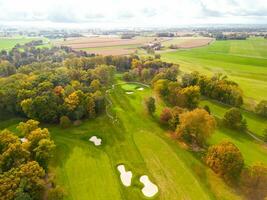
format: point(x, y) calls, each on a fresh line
point(243, 61)
point(108, 45)
point(113, 45)
point(187, 42)
point(10, 42)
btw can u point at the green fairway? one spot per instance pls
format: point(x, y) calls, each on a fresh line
point(255, 123)
point(244, 61)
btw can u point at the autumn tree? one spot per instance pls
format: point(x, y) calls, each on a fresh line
point(165, 115)
point(150, 105)
point(254, 182)
point(28, 126)
point(175, 117)
point(91, 107)
point(195, 126)
point(234, 119)
point(226, 160)
point(191, 96)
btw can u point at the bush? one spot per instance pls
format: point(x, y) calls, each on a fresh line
point(261, 108)
point(56, 193)
point(65, 122)
point(234, 119)
point(226, 160)
point(77, 122)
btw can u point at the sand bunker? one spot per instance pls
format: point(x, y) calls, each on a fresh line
point(95, 140)
point(129, 92)
point(149, 189)
point(126, 176)
point(140, 88)
point(23, 140)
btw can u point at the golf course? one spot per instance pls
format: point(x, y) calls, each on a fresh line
point(137, 141)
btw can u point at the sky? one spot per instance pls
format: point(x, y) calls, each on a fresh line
point(131, 13)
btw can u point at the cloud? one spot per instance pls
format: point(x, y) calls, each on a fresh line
point(134, 13)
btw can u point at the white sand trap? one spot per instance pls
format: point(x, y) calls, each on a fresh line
point(126, 176)
point(95, 140)
point(129, 92)
point(149, 189)
point(140, 88)
point(23, 140)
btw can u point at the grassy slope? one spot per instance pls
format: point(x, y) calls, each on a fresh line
point(244, 61)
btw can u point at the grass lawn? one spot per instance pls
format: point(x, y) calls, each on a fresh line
point(243, 61)
point(255, 123)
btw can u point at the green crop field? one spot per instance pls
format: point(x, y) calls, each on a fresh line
point(244, 61)
point(10, 42)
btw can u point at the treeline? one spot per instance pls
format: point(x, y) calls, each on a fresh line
point(145, 69)
point(48, 91)
point(233, 36)
point(217, 87)
point(24, 163)
point(24, 55)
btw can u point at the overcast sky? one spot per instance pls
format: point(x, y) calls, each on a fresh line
point(132, 13)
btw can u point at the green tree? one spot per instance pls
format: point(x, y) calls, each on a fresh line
point(6, 68)
point(44, 151)
point(234, 119)
point(261, 108)
point(226, 160)
point(150, 105)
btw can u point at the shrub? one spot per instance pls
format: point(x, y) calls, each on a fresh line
point(261, 108)
point(225, 159)
point(65, 122)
